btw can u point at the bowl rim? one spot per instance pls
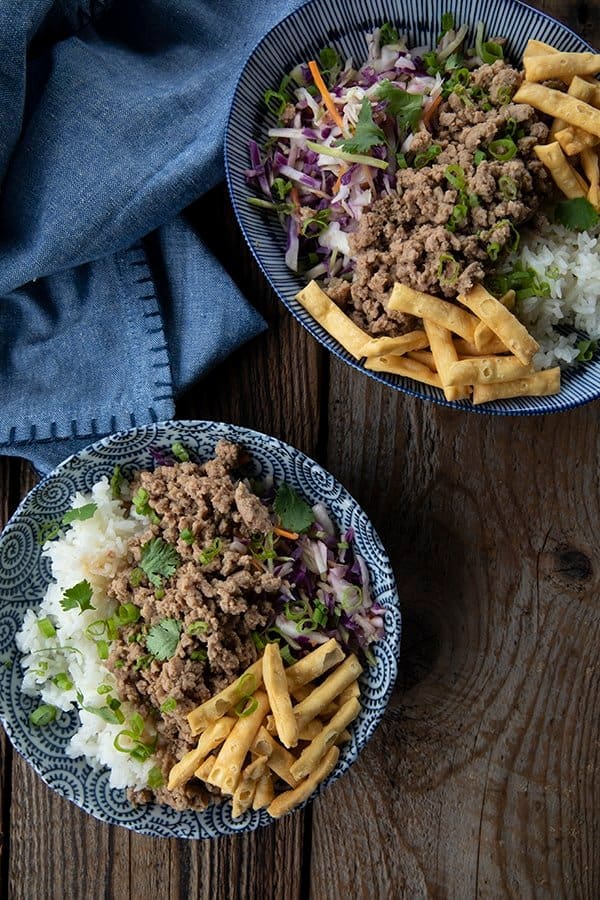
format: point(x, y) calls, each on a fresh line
point(393, 642)
point(336, 349)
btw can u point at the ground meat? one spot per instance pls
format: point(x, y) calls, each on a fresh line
point(218, 594)
point(437, 236)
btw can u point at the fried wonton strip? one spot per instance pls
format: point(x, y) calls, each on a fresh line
point(183, 770)
point(444, 352)
point(314, 664)
point(332, 319)
point(287, 801)
point(448, 315)
point(588, 91)
point(222, 702)
point(591, 167)
point(487, 370)
point(565, 177)
point(507, 327)
point(395, 346)
point(464, 348)
point(318, 747)
point(425, 357)
point(264, 792)
point(537, 48)
point(279, 696)
point(227, 769)
point(203, 770)
point(353, 690)
point(560, 65)
point(322, 695)
point(244, 794)
point(343, 738)
point(407, 368)
point(554, 103)
point(541, 384)
point(573, 140)
point(311, 730)
point(215, 734)
point(279, 759)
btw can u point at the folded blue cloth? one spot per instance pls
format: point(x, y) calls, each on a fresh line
point(113, 122)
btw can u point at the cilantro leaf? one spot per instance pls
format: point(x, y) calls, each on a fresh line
point(78, 596)
point(116, 481)
point(367, 133)
point(294, 513)
point(578, 214)
point(404, 106)
point(387, 34)
point(80, 513)
point(163, 638)
point(330, 64)
point(158, 560)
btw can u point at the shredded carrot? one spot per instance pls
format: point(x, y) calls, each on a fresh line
point(292, 535)
point(295, 196)
point(338, 181)
point(325, 95)
point(428, 114)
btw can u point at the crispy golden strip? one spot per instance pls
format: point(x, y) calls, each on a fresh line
point(203, 770)
point(560, 65)
point(444, 353)
point(322, 695)
point(330, 316)
point(314, 664)
point(278, 758)
point(407, 368)
point(183, 770)
point(244, 794)
point(279, 696)
point(215, 734)
point(227, 769)
point(588, 91)
point(425, 306)
point(537, 48)
point(509, 299)
point(343, 738)
point(591, 167)
point(311, 730)
point(256, 769)
point(573, 140)
point(264, 792)
point(222, 702)
point(554, 103)
point(395, 346)
point(353, 690)
point(488, 370)
point(318, 747)
point(507, 327)
point(285, 802)
point(541, 384)
point(565, 177)
point(464, 348)
point(425, 357)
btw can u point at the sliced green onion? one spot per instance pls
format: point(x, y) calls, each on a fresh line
point(128, 613)
point(46, 627)
point(159, 593)
point(487, 51)
point(187, 536)
point(135, 577)
point(427, 156)
point(448, 269)
point(286, 654)
point(502, 149)
point(62, 681)
point(137, 723)
point(96, 629)
point(553, 272)
point(455, 176)
point(336, 153)
point(246, 685)
point(155, 778)
point(102, 648)
point(259, 641)
point(493, 250)
point(43, 715)
point(197, 627)
point(179, 451)
point(401, 161)
point(104, 689)
point(206, 556)
point(246, 707)
point(586, 350)
point(199, 655)
point(319, 221)
point(508, 187)
point(169, 705)
point(479, 156)
point(275, 101)
point(459, 214)
point(112, 716)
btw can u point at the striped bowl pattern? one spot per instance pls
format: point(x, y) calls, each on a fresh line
point(25, 574)
point(343, 24)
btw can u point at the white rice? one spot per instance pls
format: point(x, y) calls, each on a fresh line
point(95, 550)
point(569, 262)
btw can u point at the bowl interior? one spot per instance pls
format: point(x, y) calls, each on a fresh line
point(344, 24)
point(24, 575)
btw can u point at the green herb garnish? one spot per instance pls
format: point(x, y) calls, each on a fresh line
point(207, 555)
point(169, 705)
point(367, 134)
point(47, 532)
point(198, 655)
point(388, 34)
point(586, 350)
point(62, 681)
point(405, 107)
point(158, 560)
point(427, 156)
point(294, 513)
point(479, 156)
point(155, 778)
point(127, 614)
point(179, 452)
point(80, 513)
point(46, 627)
point(578, 214)
point(163, 638)
point(109, 713)
point(246, 707)
point(78, 596)
point(142, 507)
point(116, 482)
point(502, 149)
point(197, 627)
point(281, 188)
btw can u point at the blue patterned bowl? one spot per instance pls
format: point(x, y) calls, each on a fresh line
point(24, 575)
point(343, 25)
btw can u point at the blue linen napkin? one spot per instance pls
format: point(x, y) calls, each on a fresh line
point(113, 114)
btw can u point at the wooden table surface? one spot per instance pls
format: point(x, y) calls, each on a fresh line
point(484, 778)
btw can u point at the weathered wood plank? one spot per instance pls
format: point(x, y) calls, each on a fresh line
point(483, 780)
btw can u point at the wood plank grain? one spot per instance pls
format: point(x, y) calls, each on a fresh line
point(483, 780)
